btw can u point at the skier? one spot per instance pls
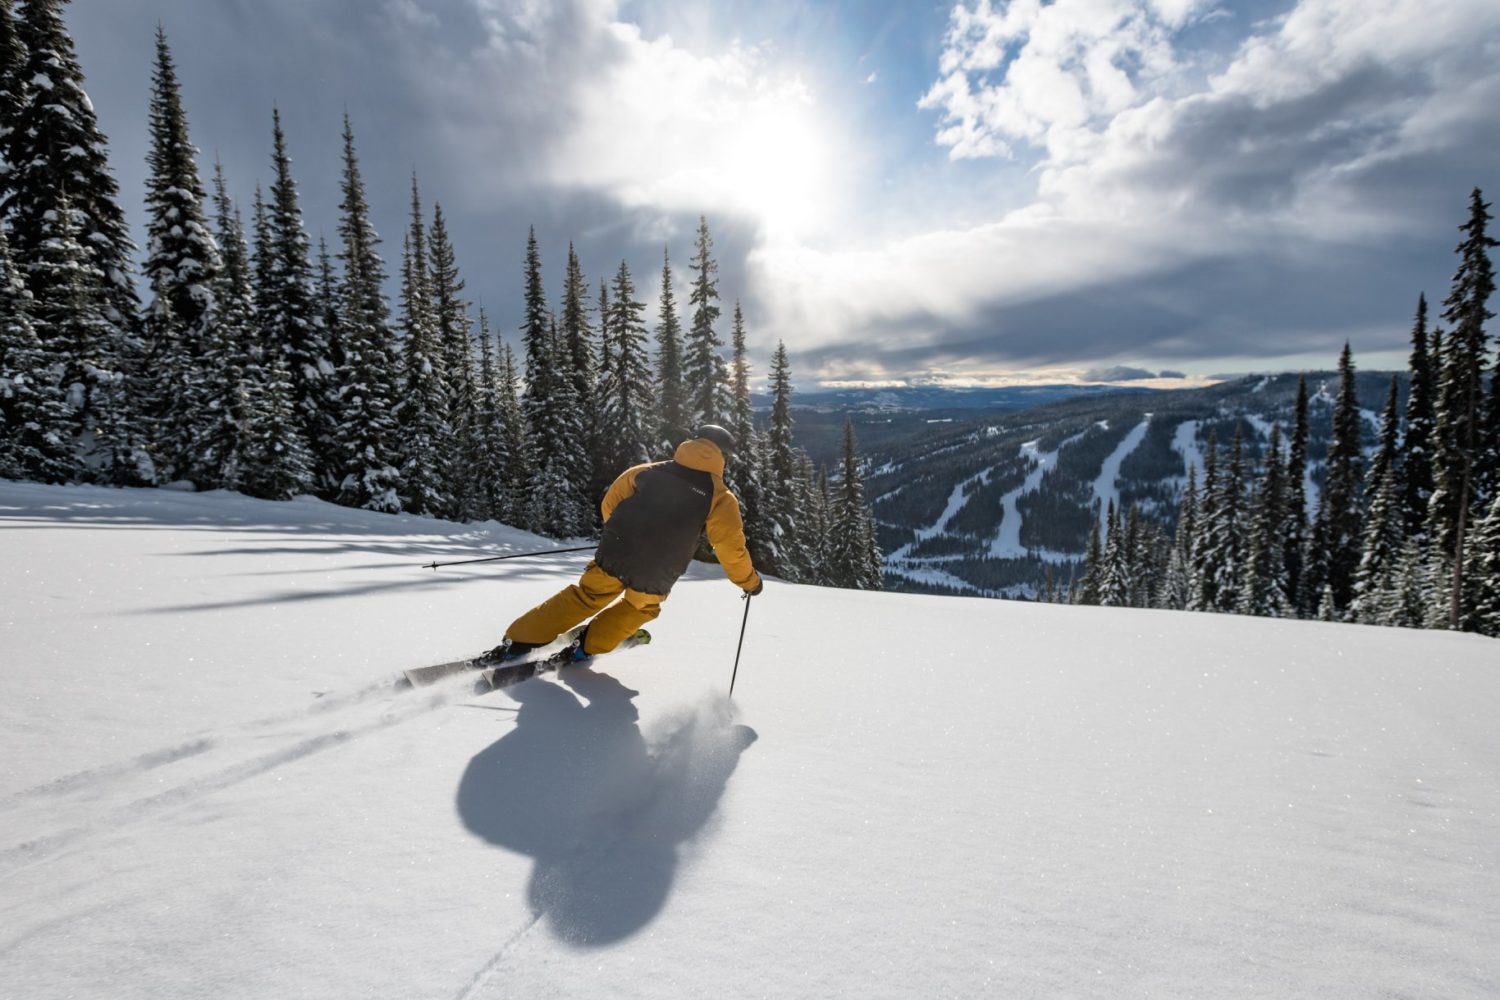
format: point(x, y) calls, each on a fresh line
point(653, 517)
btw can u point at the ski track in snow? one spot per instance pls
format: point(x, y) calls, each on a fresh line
point(1007, 541)
point(232, 760)
point(1106, 487)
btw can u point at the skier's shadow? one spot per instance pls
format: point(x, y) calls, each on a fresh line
point(576, 786)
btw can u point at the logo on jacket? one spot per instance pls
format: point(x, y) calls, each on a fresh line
point(699, 492)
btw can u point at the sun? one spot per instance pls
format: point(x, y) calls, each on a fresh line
point(778, 167)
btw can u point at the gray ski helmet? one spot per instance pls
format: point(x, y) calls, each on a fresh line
point(719, 436)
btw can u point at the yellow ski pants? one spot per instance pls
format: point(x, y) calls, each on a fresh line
point(594, 592)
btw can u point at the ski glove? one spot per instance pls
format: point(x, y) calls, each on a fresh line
point(759, 586)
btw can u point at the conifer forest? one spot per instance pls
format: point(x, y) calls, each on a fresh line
point(230, 353)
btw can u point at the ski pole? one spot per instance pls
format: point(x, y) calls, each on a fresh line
point(518, 555)
point(741, 646)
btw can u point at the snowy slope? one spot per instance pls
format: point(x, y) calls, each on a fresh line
point(208, 787)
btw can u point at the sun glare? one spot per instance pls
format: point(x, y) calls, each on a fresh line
point(779, 167)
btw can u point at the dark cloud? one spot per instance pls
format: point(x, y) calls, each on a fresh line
point(1117, 373)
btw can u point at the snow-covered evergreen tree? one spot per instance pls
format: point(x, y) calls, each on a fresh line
point(849, 538)
point(554, 506)
point(627, 401)
point(1295, 547)
point(516, 470)
point(744, 473)
point(1385, 522)
point(671, 390)
point(1338, 530)
point(1114, 584)
point(1090, 589)
point(580, 362)
point(326, 306)
point(1417, 443)
point(704, 370)
point(278, 465)
point(489, 457)
point(1484, 603)
point(1263, 591)
point(35, 438)
point(455, 338)
point(12, 95)
point(422, 413)
point(366, 445)
point(779, 544)
point(1176, 591)
point(56, 149)
point(231, 385)
point(289, 323)
point(1452, 507)
point(1206, 530)
point(182, 264)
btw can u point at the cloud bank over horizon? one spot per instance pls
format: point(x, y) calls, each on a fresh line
point(999, 188)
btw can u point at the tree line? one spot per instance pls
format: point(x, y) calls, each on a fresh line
point(1407, 535)
point(258, 364)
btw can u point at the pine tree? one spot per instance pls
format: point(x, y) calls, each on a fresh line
point(1114, 587)
point(778, 545)
point(182, 263)
point(1461, 398)
point(231, 388)
point(1385, 522)
point(326, 296)
point(1090, 589)
point(71, 318)
point(490, 456)
point(704, 372)
point(35, 442)
point(289, 324)
point(848, 535)
point(1295, 551)
point(278, 464)
point(1484, 610)
point(743, 471)
point(455, 337)
point(1339, 530)
point(1263, 591)
point(554, 505)
point(1206, 531)
point(580, 361)
point(516, 472)
point(626, 396)
point(672, 392)
point(367, 445)
point(1176, 592)
point(422, 412)
point(1417, 447)
point(12, 95)
point(56, 149)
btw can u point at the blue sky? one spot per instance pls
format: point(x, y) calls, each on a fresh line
point(982, 191)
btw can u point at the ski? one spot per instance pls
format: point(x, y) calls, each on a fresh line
point(529, 664)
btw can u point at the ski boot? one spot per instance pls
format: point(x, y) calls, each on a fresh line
point(508, 650)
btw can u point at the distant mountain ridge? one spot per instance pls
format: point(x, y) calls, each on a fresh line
point(992, 502)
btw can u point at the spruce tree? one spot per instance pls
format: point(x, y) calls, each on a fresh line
point(781, 464)
point(626, 397)
point(289, 324)
point(455, 336)
point(423, 409)
point(1263, 591)
point(848, 535)
point(704, 372)
point(366, 444)
point(1206, 532)
point(12, 95)
point(326, 297)
point(1466, 308)
point(232, 377)
point(1484, 609)
point(1295, 550)
point(1114, 587)
point(1385, 521)
point(1417, 446)
point(1176, 592)
point(672, 392)
point(555, 507)
point(580, 360)
point(182, 265)
point(516, 471)
point(35, 442)
point(278, 465)
point(743, 471)
point(1339, 527)
point(1091, 588)
point(56, 149)
point(490, 457)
